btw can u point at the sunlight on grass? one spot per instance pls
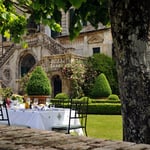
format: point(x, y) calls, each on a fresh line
point(105, 126)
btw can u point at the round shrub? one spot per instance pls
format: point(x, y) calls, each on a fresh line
point(113, 97)
point(101, 87)
point(61, 96)
point(39, 83)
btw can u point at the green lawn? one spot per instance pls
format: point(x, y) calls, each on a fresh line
point(105, 126)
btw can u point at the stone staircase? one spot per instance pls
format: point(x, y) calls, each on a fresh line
point(6, 53)
point(38, 39)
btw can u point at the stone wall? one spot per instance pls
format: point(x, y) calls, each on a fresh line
point(19, 138)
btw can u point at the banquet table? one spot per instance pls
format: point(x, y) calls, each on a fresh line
point(41, 119)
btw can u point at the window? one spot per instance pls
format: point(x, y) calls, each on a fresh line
point(96, 50)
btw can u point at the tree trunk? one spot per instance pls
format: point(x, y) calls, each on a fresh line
point(130, 23)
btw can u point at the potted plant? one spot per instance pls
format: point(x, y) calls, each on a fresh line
point(5, 94)
point(38, 85)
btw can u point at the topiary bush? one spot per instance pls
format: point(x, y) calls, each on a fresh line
point(61, 96)
point(113, 97)
point(101, 87)
point(39, 83)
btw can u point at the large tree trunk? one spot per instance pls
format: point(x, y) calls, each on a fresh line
point(130, 23)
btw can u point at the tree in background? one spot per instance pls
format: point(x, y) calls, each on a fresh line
point(100, 63)
point(130, 20)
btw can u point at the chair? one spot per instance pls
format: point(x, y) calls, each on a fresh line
point(4, 116)
point(78, 111)
point(3, 110)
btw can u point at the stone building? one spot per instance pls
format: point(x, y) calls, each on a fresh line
point(52, 51)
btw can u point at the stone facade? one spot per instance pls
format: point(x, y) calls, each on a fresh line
point(87, 41)
point(16, 60)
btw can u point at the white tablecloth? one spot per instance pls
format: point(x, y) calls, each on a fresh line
point(41, 119)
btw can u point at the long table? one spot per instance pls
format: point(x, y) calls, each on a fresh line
point(41, 119)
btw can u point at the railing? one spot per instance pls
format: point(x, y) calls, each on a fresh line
point(36, 39)
point(6, 52)
point(46, 41)
point(56, 62)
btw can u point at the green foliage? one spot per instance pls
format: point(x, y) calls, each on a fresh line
point(105, 64)
point(17, 97)
point(100, 63)
point(113, 97)
point(88, 12)
point(75, 72)
point(84, 98)
point(61, 96)
point(101, 87)
point(90, 76)
point(39, 83)
point(105, 101)
point(49, 13)
point(23, 83)
point(6, 92)
point(12, 23)
point(105, 108)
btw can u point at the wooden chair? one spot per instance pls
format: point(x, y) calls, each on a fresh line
point(78, 111)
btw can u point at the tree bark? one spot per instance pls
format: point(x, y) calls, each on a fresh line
point(130, 24)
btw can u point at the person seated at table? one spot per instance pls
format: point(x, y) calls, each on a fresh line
point(8, 102)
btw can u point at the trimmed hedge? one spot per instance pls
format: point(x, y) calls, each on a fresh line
point(105, 101)
point(113, 97)
point(105, 108)
point(61, 96)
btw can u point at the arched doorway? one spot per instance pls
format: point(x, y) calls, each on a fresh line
point(27, 62)
point(57, 85)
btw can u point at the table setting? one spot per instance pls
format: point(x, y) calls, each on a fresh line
point(38, 116)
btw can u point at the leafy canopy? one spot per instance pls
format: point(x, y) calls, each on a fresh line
point(15, 13)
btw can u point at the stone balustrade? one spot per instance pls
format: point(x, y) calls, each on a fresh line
point(55, 62)
point(20, 138)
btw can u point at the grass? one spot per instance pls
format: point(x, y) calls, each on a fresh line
point(105, 127)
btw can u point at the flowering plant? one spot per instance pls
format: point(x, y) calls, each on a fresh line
point(17, 97)
point(75, 72)
point(5, 92)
